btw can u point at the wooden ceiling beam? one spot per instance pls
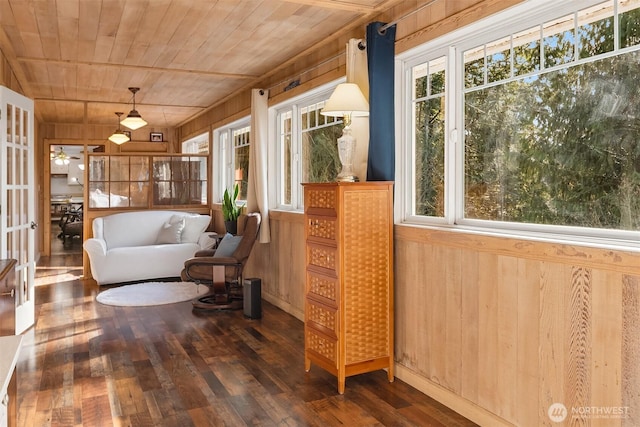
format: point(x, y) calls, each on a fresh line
point(137, 68)
point(350, 6)
point(138, 104)
point(337, 4)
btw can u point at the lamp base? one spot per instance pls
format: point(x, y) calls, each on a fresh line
point(346, 152)
point(347, 178)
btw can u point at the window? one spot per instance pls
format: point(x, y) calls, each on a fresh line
point(544, 113)
point(428, 115)
point(232, 144)
point(241, 160)
point(124, 181)
point(196, 145)
point(307, 150)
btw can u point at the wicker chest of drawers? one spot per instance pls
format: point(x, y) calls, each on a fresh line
point(349, 284)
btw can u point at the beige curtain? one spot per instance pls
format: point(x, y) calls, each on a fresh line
point(357, 73)
point(257, 191)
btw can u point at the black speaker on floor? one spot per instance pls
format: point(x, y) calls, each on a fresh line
point(252, 298)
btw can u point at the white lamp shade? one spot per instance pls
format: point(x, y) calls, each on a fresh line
point(347, 99)
point(119, 137)
point(133, 121)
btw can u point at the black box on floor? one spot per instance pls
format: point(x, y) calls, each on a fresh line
point(252, 298)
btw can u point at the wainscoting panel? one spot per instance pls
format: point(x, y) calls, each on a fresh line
point(280, 263)
point(510, 327)
point(498, 329)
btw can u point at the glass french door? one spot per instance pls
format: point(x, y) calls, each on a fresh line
point(17, 199)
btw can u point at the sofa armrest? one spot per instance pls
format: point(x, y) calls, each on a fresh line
point(95, 247)
point(209, 240)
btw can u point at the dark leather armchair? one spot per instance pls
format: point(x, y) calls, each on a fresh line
point(223, 274)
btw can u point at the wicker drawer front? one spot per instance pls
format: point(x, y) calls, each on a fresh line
point(324, 228)
point(323, 288)
point(322, 256)
point(322, 346)
point(323, 318)
point(321, 198)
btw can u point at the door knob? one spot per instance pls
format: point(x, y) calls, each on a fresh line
point(34, 225)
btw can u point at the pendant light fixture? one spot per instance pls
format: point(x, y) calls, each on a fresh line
point(119, 136)
point(134, 121)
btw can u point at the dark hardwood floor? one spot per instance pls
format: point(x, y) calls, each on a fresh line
point(87, 364)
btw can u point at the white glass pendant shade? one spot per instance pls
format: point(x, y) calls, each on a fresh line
point(134, 120)
point(119, 136)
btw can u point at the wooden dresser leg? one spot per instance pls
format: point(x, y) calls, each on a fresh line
point(307, 364)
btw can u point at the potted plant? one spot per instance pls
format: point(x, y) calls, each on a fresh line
point(230, 210)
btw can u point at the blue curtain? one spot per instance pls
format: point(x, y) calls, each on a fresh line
point(380, 58)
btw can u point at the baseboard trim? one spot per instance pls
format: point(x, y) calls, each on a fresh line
point(285, 306)
point(451, 400)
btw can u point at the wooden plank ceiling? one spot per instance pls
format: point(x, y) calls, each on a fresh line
point(76, 58)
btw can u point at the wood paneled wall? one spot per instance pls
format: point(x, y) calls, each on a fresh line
point(497, 328)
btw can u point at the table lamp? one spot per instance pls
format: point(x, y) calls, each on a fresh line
point(346, 101)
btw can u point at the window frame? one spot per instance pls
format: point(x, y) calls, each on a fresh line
point(517, 18)
point(294, 105)
point(224, 156)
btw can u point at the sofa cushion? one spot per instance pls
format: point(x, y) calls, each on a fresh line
point(227, 246)
point(194, 226)
point(207, 240)
point(171, 232)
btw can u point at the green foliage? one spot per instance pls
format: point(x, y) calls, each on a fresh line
point(320, 152)
point(230, 209)
point(556, 147)
point(560, 148)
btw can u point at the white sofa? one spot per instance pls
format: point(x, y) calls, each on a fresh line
point(141, 245)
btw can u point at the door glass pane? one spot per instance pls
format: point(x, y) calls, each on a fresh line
point(9, 122)
point(10, 208)
point(25, 127)
point(24, 238)
point(17, 161)
point(10, 245)
point(10, 166)
point(17, 131)
point(25, 206)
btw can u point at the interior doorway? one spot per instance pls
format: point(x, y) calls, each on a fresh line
point(64, 215)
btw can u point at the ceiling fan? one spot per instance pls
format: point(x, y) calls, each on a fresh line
point(61, 158)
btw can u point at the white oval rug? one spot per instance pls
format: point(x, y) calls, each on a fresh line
point(150, 293)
